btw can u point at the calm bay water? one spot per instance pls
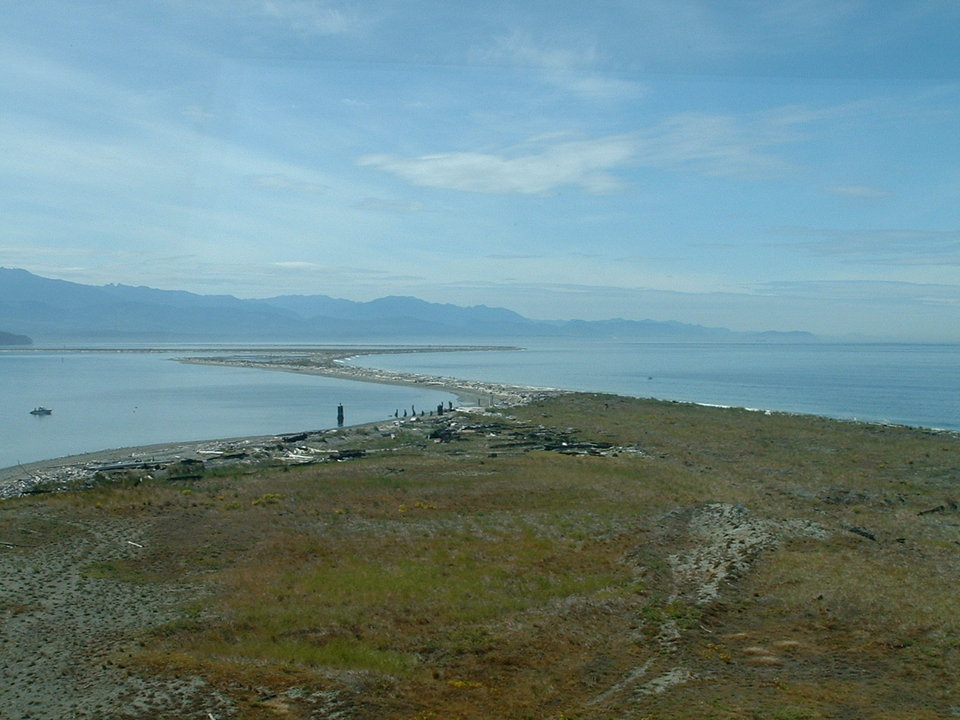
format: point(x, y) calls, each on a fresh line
point(110, 400)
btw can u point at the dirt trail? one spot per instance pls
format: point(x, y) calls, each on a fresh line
point(64, 632)
point(720, 543)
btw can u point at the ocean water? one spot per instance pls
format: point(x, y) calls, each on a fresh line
point(107, 400)
point(903, 384)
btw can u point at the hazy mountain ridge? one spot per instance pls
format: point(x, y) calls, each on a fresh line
point(7, 338)
point(57, 309)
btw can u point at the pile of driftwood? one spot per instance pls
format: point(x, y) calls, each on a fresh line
point(182, 463)
point(187, 462)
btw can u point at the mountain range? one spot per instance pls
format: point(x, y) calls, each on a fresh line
point(57, 310)
point(11, 339)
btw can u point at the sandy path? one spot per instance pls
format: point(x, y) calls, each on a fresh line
point(63, 635)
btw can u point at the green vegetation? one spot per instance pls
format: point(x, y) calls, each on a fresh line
point(485, 578)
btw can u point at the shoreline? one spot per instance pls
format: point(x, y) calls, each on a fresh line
point(332, 363)
point(27, 478)
point(329, 362)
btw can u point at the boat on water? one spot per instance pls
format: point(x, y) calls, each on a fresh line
point(41, 411)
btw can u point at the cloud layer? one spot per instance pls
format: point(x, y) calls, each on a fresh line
point(584, 164)
point(741, 164)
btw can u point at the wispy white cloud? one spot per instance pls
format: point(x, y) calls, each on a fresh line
point(314, 17)
point(858, 192)
point(513, 256)
point(807, 18)
point(718, 144)
point(306, 266)
point(586, 164)
point(197, 114)
point(645, 259)
point(284, 182)
point(881, 247)
point(707, 144)
point(573, 70)
point(298, 265)
point(399, 206)
point(15, 254)
point(35, 73)
point(872, 290)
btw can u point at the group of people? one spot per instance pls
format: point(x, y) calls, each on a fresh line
point(396, 413)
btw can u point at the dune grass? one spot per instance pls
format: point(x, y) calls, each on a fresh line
point(470, 580)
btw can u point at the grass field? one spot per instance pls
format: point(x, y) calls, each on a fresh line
point(669, 561)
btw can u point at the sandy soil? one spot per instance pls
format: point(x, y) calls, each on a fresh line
point(64, 632)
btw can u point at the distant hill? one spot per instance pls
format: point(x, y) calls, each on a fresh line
point(59, 310)
point(11, 339)
point(403, 315)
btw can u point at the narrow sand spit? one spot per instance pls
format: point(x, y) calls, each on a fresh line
point(335, 363)
point(20, 480)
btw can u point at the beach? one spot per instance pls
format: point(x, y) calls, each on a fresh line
point(334, 363)
point(121, 398)
point(75, 470)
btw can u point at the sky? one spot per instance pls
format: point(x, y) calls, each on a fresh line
point(755, 165)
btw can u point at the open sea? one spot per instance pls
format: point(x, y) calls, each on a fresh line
point(903, 384)
point(106, 400)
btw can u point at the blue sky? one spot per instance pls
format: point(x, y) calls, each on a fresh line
point(746, 164)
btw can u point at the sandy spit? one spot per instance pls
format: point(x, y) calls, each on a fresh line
point(18, 480)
